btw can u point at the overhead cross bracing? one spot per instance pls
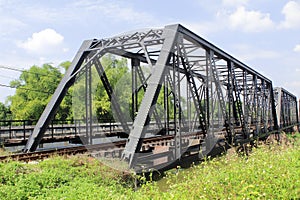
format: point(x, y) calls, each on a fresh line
point(188, 86)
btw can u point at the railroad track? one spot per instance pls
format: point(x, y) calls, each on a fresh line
point(110, 147)
point(40, 155)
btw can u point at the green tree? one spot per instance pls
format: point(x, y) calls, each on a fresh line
point(34, 90)
point(118, 75)
point(5, 113)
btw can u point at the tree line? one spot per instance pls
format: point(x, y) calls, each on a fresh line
point(35, 87)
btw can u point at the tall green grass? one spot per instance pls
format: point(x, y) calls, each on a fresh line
point(270, 172)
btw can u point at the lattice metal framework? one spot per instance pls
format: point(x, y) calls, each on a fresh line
point(286, 108)
point(204, 89)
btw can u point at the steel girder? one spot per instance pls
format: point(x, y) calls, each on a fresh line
point(286, 108)
point(204, 90)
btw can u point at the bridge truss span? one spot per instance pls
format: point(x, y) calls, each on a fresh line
point(181, 85)
point(286, 109)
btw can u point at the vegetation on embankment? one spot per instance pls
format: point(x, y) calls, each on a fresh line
point(270, 172)
point(4, 152)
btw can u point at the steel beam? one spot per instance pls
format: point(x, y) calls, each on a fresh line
point(154, 85)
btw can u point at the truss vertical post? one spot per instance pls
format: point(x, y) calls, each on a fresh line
point(278, 107)
point(88, 105)
point(166, 104)
point(263, 116)
point(177, 110)
point(245, 94)
point(135, 63)
point(274, 116)
point(171, 85)
point(255, 103)
point(209, 139)
point(209, 91)
point(189, 108)
point(259, 108)
point(230, 133)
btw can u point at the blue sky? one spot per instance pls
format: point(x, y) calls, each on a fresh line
point(264, 34)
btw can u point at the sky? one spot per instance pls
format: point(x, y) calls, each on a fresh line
point(264, 34)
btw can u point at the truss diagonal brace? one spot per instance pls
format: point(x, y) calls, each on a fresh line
point(59, 94)
point(144, 85)
point(193, 88)
point(111, 95)
point(146, 109)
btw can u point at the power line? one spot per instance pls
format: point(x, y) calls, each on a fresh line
point(22, 88)
point(19, 70)
point(26, 71)
point(33, 90)
point(15, 79)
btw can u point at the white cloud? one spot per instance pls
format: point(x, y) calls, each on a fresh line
point(297, 48)
point(234, 3)
point(291, 11)
point(250, 21)
point(46, 41)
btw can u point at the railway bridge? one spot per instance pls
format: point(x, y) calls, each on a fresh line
point(181, 86)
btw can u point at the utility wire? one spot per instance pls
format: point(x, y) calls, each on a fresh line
point(19, 70)
point(22, 88)
point(26, 71)
point(33, 90)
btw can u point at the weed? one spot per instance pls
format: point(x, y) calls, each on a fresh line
point(269, 172)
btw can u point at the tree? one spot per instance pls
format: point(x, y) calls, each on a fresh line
point(118, 75)
point(5, 113)
point(36, 86)
point(34, 90)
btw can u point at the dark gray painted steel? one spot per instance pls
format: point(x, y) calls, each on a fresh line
point(153, 89)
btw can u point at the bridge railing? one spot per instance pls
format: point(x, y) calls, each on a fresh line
point(12, 131)
point(21, 129)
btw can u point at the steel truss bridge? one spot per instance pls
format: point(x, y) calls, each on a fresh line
point(181, 85)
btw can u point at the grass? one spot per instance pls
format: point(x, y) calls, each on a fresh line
point(77, 177)
point(270, 172)
point(3, 152)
